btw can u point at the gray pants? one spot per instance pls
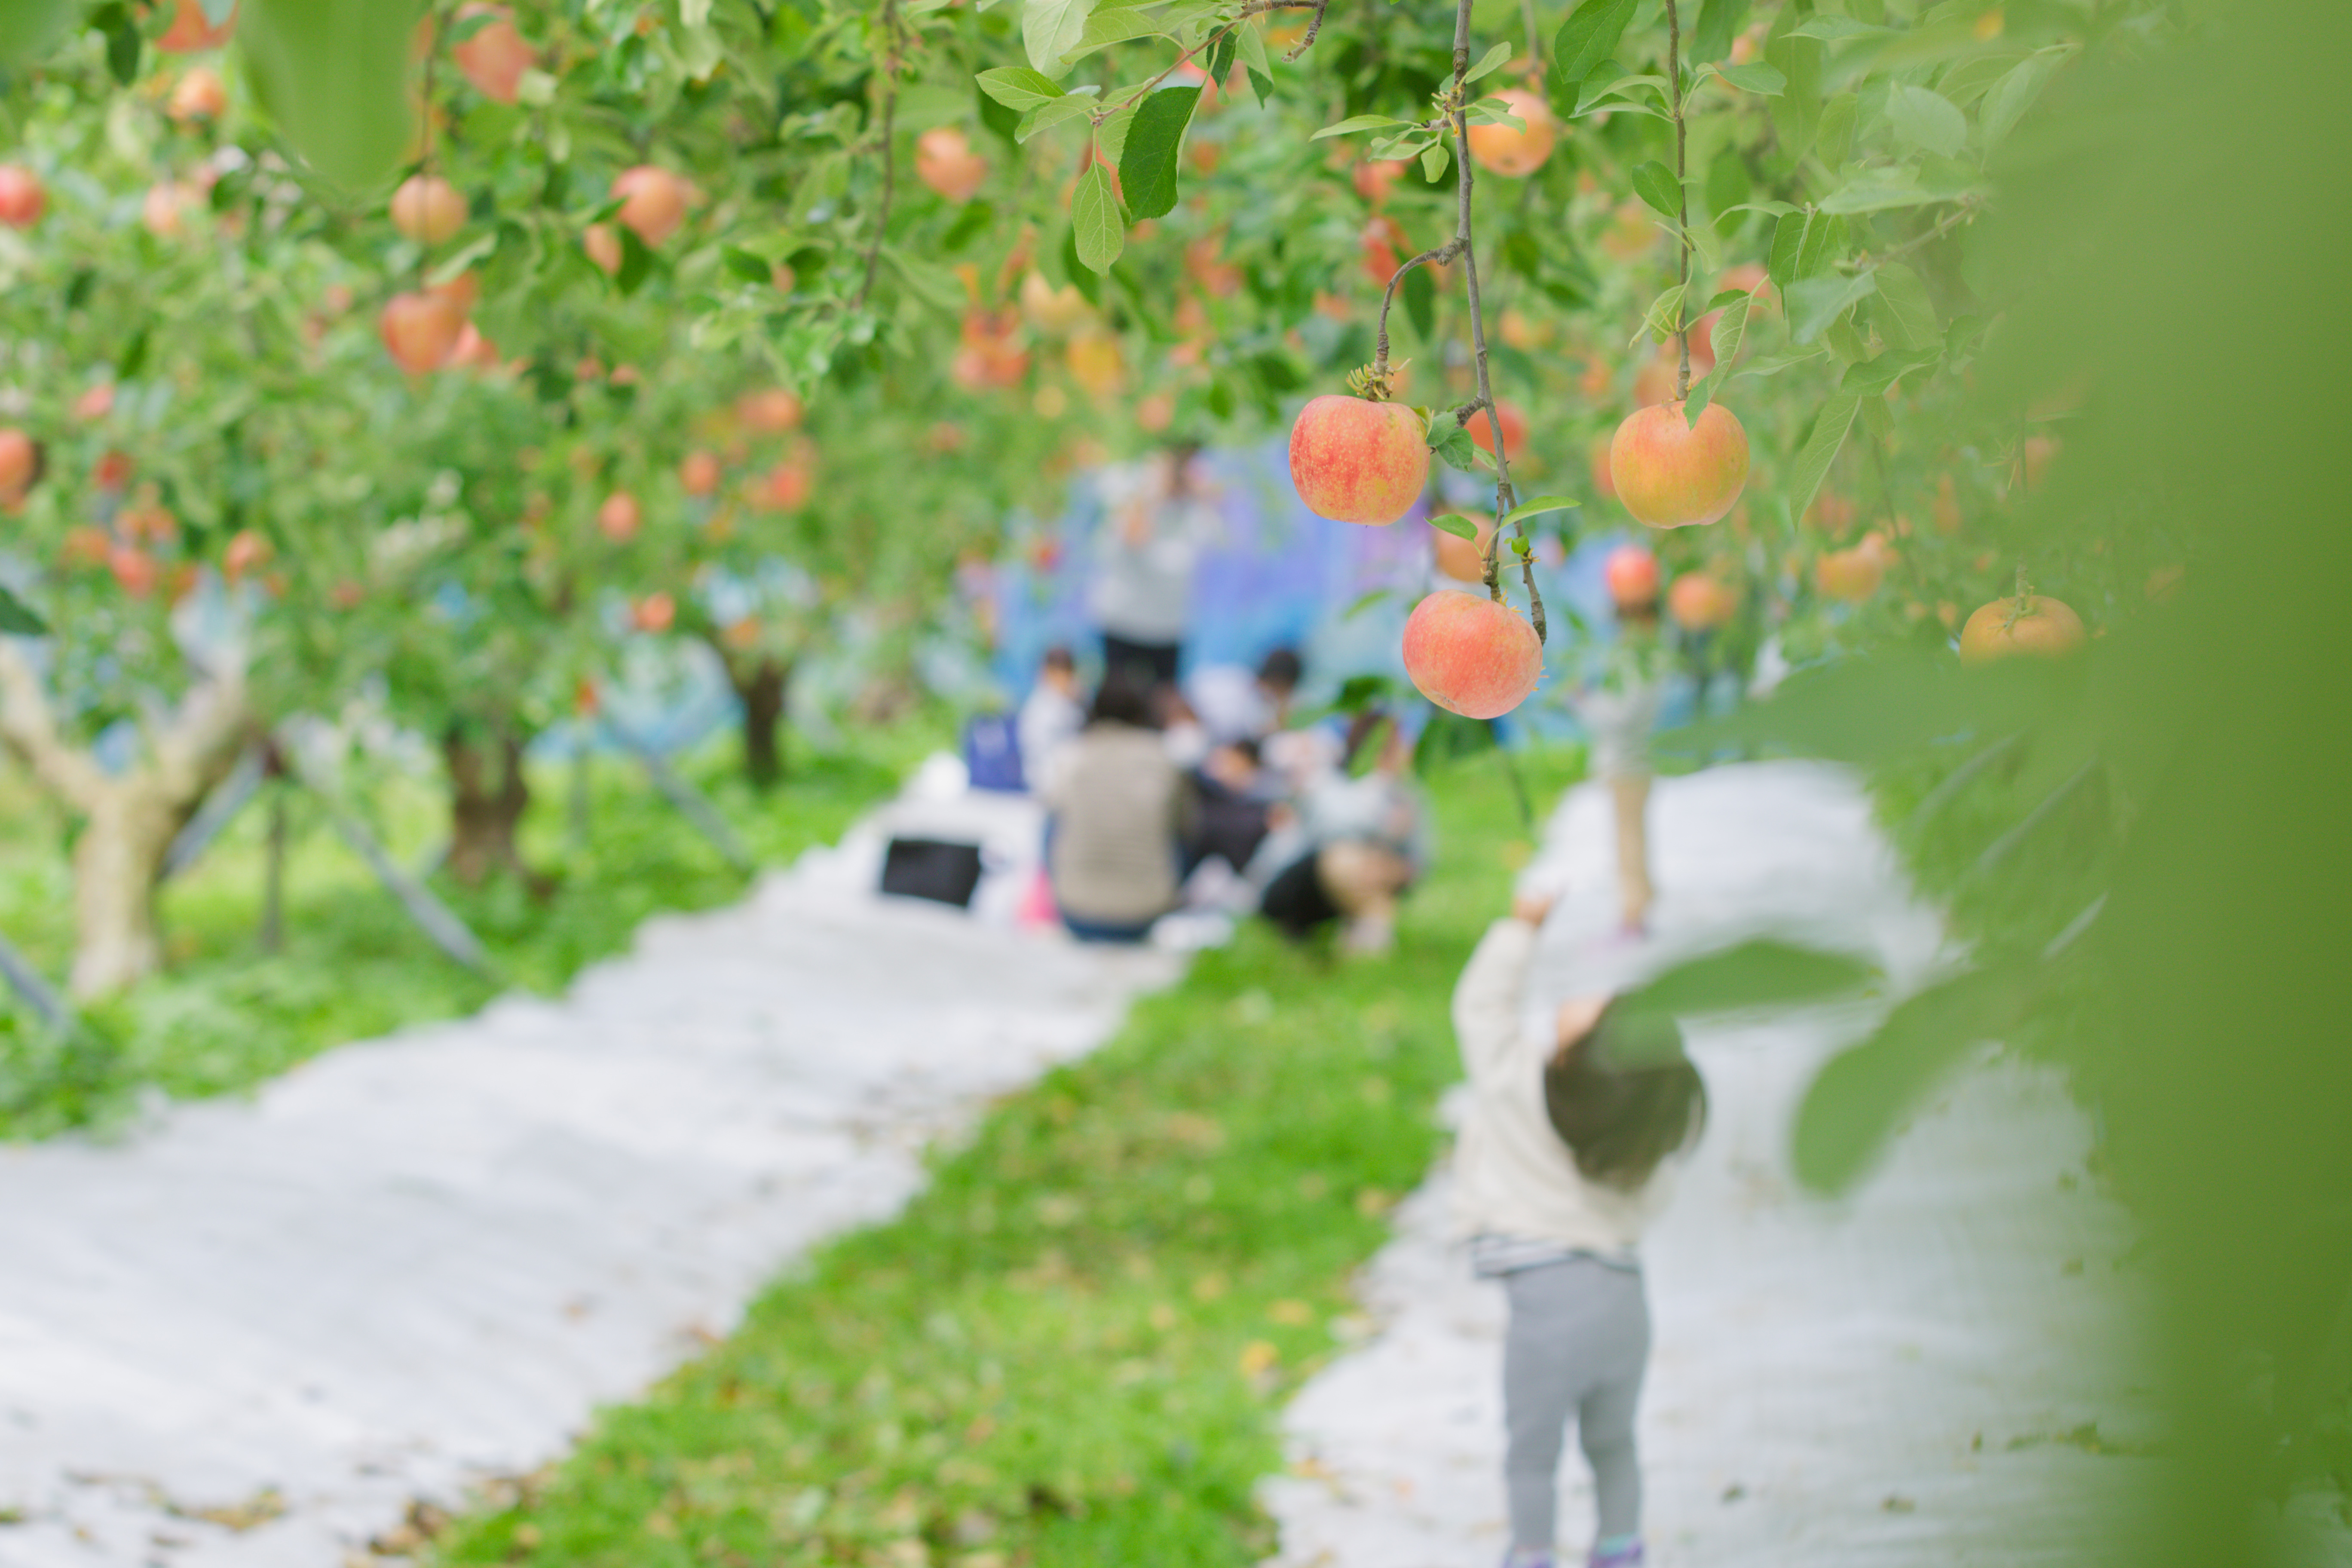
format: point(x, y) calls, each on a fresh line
point(1578, 1339)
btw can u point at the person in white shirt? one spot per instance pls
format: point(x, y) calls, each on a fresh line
point(1565, 1156)
point(1050, 718)
point(1142, 599)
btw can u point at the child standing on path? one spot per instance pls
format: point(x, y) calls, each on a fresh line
point(1560, 1168)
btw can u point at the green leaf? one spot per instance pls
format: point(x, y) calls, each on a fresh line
point(1420, 293)
point(1824, 244)
point(1880, 190)
point(1018, 87)
point(1221, 56)
point(1491, 61)
point(1815, 302)
point(1719, 24)
point(1076, 275)
point(122, 42)
point(1861, 1096)
point(1354, 124)
point(1147, 165)
point(1834, 138)
point(1821, 450)
point(1050, 30)
point(1116, 24)
point(1656, 183)
point(335, 75)
point(934, 285)
point(1493, 111)
point(18, 619)
point(1730, 329)
point(1366, 601)
point(1110, 136)
point(1095, 224)
point(1252, 53)
point(1663, 316)
point(28, 27)
point(1755, 77)
point(1046, 116)
point(1830, 28)
point(1454, 523)
point(637, 261)
point(1870, 378)
point(1434, 160)
point(743, 263)
point(1797, 111)
point(1539, 507)
point(2008, 99)
point(1457, 447)
point(1588, 37)
point(1904, 315)
point(1764, 972)
point(1926, 119)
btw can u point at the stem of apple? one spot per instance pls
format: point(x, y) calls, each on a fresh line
point(1504, 497)
point(1682, 198)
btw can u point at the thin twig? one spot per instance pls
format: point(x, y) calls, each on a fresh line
point(1313, 27)
point(889, 148)
point(1504, 497)
point(1682, 198)
point(1440, 257)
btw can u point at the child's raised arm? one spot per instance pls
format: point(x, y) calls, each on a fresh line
point(1487, 999)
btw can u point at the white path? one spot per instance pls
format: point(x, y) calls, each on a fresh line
point(415, 1262)
point(1835, 1385)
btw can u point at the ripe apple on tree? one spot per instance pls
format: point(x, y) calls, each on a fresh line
point(1672, 474)
point(1353, 459)
point(653, 201)
point(1513, 154)
point(199, 95)
point(945, 162)
point(620, 517)
point(2030, 623)
point(422, 328)
point(190, 33)
point(1471, 655)
point(23, 197)
point(427, 209)
point(495, 56)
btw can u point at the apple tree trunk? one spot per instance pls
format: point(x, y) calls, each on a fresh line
point(764, 687)
point(487, 796)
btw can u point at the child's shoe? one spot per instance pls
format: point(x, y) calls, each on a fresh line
point(1618, 1554)
point(1529, 1557)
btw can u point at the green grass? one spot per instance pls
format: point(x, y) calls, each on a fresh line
point(1070, 1350)
point(226, 1015)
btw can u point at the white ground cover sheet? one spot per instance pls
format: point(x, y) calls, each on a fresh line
point(417, 1262)
point(1905, 1376)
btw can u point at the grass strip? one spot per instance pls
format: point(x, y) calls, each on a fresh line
point(224, 1015)
point(1071, 1348)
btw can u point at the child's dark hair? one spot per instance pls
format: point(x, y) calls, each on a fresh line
point(1624, 1097)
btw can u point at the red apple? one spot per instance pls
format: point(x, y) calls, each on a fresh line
point(427, 209)
point(945, 162)
point(20, 463)
point(1461, 558)
point(95, 404)
point(620, 517)
point(698, 474)
point(472, 349)
point(495, 57)
point(199, 95)
point(1470, 655)
point(1631, 573)
point(2044, 626)
point(247, 551)
point(134, 570)
point(1355, 460)
point(653, 201)
point(1514, 421)
point(772, 411)
point(787, 485)
point(604, 247)
point(421, 330)
point(655, 612)
point(1500, 150)
point(1701, 601)
point(1670, 474)
point(23, 197)
point(1373, 177)
point(1852, 575)
point(190, 33)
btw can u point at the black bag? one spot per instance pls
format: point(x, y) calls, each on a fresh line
point(929, 869)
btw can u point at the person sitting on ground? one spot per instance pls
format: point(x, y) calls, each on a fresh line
point(1366, 840)
point(1565, 1156)
point(1231, 810)
point(1051, 715)
point(1120, 809)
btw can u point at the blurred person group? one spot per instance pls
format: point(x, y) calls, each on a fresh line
point(1209, 797)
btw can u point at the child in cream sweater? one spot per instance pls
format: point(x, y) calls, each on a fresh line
point(1564, 1158)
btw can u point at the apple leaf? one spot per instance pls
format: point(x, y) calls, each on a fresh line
point(1096, 227)
point(1755, 77)
point(1539, 507)
point(1457, 447)
point(1905, 314)
point(1050, 30)
point(1146, 164)
point(1454, 523)
point(637, 261)
point(1434, 161)
point(1588, 37)
point(1656, 183)
point(2013, 94)
point(335, 75)
point(1821, 450)
point(1018, 87)
point(1366, 601)
point(1815, 302)
point(1261, 69)
point(1046, 116)
point(28, 27)
point(1927, 118)
point(1491, 61)
point(1356, 123)
point(17, 620)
